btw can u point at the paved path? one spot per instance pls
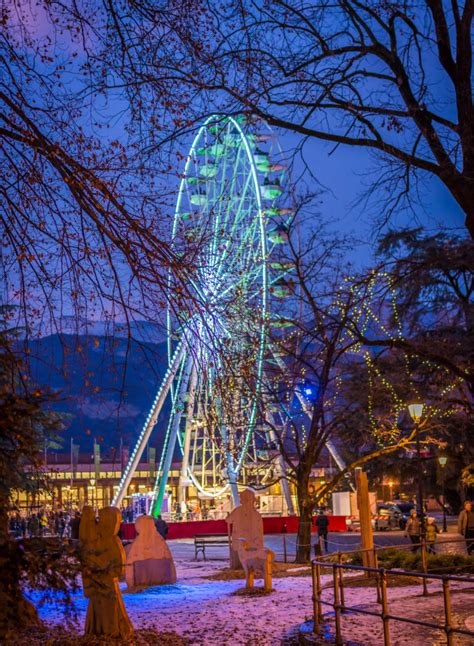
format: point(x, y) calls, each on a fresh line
point(183, 548)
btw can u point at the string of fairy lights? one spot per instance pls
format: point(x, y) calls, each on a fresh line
point(366, 323)
point(387, 326)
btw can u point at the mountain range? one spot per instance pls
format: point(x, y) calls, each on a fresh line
point(104, 386)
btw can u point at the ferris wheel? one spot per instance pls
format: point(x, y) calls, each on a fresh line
point(227, 222)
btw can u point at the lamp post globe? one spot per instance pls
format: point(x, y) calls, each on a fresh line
point(443, 460)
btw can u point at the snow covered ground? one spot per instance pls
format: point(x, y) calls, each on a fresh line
point(205, 611)
point(405, 602)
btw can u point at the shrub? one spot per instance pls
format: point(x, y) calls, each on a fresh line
point(437, 563)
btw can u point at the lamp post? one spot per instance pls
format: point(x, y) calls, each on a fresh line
point(442, 463)
point(416, 411)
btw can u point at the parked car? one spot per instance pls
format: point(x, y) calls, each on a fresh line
point(392, 516)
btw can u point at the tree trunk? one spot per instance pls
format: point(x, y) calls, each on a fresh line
point(15, 611)
point(461, 189)
point(305, 512)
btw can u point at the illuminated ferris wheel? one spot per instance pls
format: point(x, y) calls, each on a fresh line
point(227, 223)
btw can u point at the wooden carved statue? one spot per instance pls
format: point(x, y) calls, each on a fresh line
point(247, 541)
point(103, 561)
point(257, 562)
point(149, 560)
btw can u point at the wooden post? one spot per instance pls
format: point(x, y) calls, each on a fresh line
point(316, 614)
point(341, 582)
point(337, 607)
point(366, 535)
point(448, 626)
point(385, 614)
point(424, 561)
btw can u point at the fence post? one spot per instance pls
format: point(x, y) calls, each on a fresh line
point(385, 615)
point(424, 562)
point(448, 627)
point(319, 591)
point(337, 606)
point(316, 617)
point(377, 576)
point(284, 549)
point(341, 582)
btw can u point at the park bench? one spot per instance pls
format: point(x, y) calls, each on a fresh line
point(201, 541)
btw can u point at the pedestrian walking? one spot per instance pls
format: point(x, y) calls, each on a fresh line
point(322, 524)
point(431, 532)
point(161, 526)
point(67, 525)
point(33, 526)
point(23, 525)
point(466, 525)
point(43, 522)
point(129, 514)
point(75, 522)
point(413, 530)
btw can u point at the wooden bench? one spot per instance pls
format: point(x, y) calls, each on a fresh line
point(201, 541)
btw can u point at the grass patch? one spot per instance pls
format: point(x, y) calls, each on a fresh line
point(392, 581)
point(437, 563)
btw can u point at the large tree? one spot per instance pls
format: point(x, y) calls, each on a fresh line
point(391, 77)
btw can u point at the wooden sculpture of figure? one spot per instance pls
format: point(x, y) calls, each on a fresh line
point(247, 541)
point(149, 560)
point(103, 561)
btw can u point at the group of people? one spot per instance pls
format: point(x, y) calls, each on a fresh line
point(413, 529)
point(41, 523)
point(190, 510)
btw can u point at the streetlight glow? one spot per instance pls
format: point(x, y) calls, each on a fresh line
point(416, 411)
point(442, 460)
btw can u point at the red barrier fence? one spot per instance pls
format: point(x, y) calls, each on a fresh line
point(271, 525)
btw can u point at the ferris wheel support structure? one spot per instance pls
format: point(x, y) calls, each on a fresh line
point(306, 409)
point(150, 421)
point(231, 471)
point(184, 480)
point(178, 413)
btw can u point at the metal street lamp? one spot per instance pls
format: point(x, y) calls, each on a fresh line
point(416, 411)
point(442, 463)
